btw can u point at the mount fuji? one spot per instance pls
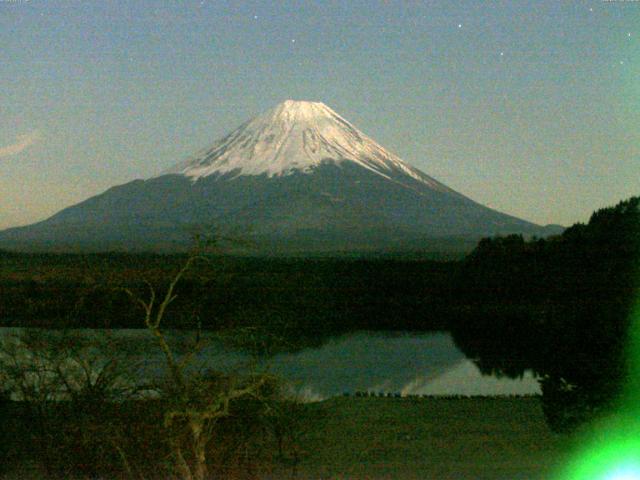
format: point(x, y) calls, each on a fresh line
point(298, 178)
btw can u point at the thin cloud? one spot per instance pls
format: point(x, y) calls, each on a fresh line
point(22, 142)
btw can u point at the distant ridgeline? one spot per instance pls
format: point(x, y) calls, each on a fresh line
point(302, 299)
point(560, 307)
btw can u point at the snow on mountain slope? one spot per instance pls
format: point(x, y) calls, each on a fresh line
point(296, 136)
point(299, 177)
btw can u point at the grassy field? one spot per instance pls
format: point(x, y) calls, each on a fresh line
point(429, 438)
point(407, 438)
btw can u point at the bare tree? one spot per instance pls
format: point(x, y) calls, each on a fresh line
point(194, 401)
point(64, 378)
point(81, 386)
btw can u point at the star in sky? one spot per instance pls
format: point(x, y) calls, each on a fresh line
point(428, 41)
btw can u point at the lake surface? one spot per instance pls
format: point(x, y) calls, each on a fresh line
point(406, 363)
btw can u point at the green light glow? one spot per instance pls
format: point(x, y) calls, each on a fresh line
point(633, 473)
point(612, 447)
point(614, 454)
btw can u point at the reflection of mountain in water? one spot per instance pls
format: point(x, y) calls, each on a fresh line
point(363, 361)
point(408, 363)
point(465, 379)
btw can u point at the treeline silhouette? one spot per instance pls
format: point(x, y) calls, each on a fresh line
point(560, 307)
point(302, 300)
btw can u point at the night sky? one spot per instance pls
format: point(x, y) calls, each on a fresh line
point(529, 107)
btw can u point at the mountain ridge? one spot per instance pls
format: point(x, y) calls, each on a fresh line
point(296, 174)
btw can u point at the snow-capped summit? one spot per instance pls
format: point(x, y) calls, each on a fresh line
point(296, 136)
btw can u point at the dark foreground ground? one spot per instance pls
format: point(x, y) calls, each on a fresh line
point(492, 438)
point(426, 438)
